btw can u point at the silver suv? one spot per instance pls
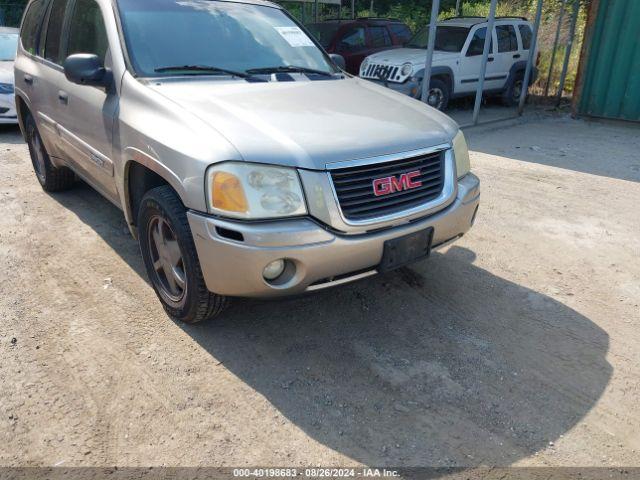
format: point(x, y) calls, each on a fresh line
point(247, 163)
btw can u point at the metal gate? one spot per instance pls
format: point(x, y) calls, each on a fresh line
point(611, 86)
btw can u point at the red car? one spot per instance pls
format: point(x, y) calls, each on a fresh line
point(357, 39)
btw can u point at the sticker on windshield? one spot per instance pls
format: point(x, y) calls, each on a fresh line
point(295, 37)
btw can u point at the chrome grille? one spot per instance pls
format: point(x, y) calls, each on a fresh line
point(355, 192)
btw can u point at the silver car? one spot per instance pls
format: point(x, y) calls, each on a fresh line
point(246, 162)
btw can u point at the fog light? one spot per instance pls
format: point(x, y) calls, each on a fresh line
point(273, 270)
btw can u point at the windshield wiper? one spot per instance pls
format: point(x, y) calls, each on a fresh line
point(201, 68)
point(288, 69)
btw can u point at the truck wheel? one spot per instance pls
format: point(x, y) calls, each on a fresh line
point(438, 95)
point(51, 179)
point(511, 96)
point(171, 259)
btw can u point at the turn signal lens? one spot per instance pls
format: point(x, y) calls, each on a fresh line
point(227, 193)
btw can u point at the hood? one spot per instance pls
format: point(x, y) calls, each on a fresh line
point(6, 72)
point(310, 123)
point(415, 56)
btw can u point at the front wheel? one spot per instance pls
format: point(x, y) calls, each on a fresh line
point(438, 94)
point(171, 260)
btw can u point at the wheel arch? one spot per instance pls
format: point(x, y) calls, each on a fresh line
point(141, 174)
point(443, 73)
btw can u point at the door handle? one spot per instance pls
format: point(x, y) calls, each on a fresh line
point(517, 55)
point(28, 79)
point(63, 97)
point(490, 59)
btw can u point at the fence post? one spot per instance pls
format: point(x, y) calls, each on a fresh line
point(485, 58)
point(555, 47)
point(426, 80)
point(353, 9)
point(567, 54)
point(457, 8)
point(532, 52)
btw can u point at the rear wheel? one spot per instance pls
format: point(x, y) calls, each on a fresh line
point(511, 96)
point(171, 259)
point(51, 178)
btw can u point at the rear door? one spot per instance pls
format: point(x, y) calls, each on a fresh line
point(52, 75)
point(508, 51)
point(87, 113)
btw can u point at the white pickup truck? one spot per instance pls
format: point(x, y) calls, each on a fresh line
point(457, 60)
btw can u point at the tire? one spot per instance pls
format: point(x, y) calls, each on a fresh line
point(51, 179)
point(439, 94)
point(171, 260)
point(511, 96)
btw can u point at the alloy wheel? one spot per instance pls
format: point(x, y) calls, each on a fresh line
point(167, 260)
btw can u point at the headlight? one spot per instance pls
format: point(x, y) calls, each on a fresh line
point(364, 65)
point(6, 88)
point(407, 69)
point(461, 152)
point(249, 190)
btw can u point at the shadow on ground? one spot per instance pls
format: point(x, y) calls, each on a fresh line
point(440, 364)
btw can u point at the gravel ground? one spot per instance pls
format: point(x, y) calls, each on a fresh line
point(518, 345)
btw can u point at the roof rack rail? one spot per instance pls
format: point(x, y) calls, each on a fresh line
point(380, 18)
point(513, 17)
point(462, 16)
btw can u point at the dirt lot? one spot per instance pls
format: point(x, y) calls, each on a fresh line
point(519, 345)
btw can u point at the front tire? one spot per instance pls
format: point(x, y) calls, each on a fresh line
point(438, 95)
point(51, 179)
point(171, 260)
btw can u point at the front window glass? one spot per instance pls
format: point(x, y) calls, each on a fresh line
point(226, 35)
point(476, 47)
point(31, 25)
point(448, 39)
point(353, 39)
point(8, 46)
point(379, 37)
point(87, 33)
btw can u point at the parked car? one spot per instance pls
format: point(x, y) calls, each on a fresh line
point(246, 163)
point(357, 39)
point(457, 60)
point(8, 47)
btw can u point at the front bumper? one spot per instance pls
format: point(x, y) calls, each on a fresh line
point(321, 257)
point(411, 87)
point(8, 109)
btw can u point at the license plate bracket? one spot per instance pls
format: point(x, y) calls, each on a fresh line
point(402, 251)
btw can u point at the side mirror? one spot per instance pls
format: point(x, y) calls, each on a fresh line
point(86, 69)
point(338, 60)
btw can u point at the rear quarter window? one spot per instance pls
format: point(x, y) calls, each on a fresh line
point(525, 35)
point(30, 28)
point(401, 32)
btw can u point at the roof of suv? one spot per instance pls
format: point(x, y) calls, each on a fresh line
point(471, 21)
point(368, 20)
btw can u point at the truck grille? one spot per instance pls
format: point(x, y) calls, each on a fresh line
point(355, 191)
point(390, 72)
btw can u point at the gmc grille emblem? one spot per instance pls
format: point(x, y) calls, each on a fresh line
point(388, 185)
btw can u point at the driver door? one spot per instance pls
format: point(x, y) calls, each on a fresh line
point(87, 113)
point(471, 63)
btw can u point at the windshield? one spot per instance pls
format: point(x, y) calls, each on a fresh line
point(226, 35)
point(8, 46)
point(448, 39)
point(324, 32)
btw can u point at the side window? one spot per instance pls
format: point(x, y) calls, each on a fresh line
point(401, 32)
point(31, 26)
point(476, 47)
point(507, 40)
point(353, 39)
point(526, 35)
point(379, 37)
point(52, 48)
point(87, 33)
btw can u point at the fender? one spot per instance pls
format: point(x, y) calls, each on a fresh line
point(135, 155)
point(440, 70)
